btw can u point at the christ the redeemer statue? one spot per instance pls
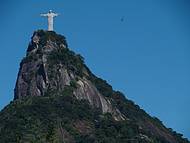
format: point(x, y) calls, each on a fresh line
point(50, 15)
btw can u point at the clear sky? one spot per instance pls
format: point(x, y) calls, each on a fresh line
point(141, 47)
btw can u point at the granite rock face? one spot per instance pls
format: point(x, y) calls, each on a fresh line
point(46, 68)
point(32, 77)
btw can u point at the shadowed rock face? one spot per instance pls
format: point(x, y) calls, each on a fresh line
point(39, 73)
point(32, 77)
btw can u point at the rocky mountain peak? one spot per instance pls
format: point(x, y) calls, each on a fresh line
point(50, 67)
point(46, 40)
point(58, 99)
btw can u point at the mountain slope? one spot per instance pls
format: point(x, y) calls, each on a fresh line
point(58, 99)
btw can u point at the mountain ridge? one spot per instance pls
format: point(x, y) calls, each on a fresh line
point(52, 82)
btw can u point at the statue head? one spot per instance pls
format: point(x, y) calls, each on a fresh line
point(50, 11)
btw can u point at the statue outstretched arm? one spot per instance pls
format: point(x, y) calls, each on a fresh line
point(56, 14)
point(43, 15)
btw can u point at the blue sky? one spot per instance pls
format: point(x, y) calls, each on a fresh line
point(141, 48)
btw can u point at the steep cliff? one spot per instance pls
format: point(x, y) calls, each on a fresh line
point(58, 99)
point(50, 66)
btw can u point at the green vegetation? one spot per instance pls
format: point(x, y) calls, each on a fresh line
point(35, 119)
point(50, 36)
point(41, 119)
point(136, 115)
point(38, 120)
point(103, 87)
point(69, 59)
